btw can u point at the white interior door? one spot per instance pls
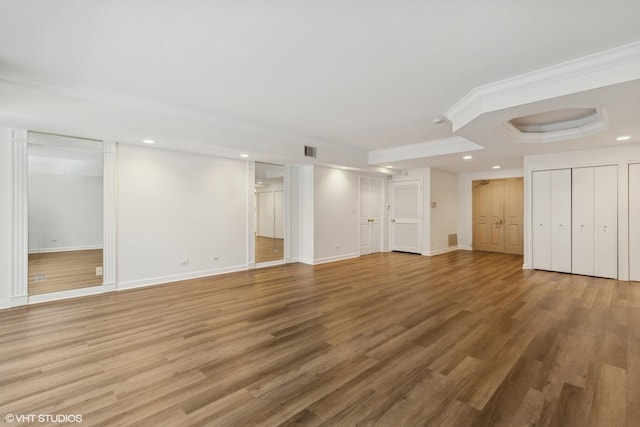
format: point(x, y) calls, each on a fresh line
point(582, 221)
point(406, 216)
point(561, 220)
point(370, 215)
point(605, 222)
point(278, 209)
point(634, 223)
point(265, 214)
point(541, 217)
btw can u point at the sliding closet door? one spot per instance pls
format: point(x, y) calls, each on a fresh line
point(582, 221)
point(634, 222)
point(605, 219)
point(541, 194)
point(561, 220)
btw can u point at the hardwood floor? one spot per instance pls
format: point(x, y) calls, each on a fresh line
point(269, 249)
point(64, 270)
point(461, 339)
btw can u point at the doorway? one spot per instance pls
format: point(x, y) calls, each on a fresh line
point(370, 215)
point(498, 207)
point(269, 212)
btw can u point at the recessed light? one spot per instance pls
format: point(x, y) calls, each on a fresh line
point(437, 120)
point(259, 182)
point(468, 157)
point(389, 167)
point(623, 138)
point(496, 167)
point(244, 155)
point(148, 141)
point(343, 167)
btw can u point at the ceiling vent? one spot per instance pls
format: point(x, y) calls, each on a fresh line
point(556, 125)
point(309, 151)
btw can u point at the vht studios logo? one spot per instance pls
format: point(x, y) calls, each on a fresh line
point(43, 418)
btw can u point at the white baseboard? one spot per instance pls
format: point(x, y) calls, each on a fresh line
point(109, 287)
point(18, 301)
point(465, 248)
point(179, 277)
point(268, 263)
point(65, 249)
point(440, 251)
point(305, 261)
point(73, 293)
point(335, 258)
point(527, 267)
point(5, 303)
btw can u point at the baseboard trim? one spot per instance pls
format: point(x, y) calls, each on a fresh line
point(5, 303)
point(66, 249)
point(440, 251)
point(268, 263)
point(72, 293)
point(465, 248)
point(335, 258)
point(527, 267)
point(18, 301)
point(306, 261)
point(160, 280)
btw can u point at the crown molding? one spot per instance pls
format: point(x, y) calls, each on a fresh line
point(613, 66)
point(439, 147)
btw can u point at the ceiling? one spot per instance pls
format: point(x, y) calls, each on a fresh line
point(350, 77)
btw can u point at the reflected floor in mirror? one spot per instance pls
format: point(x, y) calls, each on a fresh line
point(63, 271)
point(269, 249)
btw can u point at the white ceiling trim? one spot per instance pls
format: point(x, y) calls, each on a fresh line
point(618, 65)
point(456, 144)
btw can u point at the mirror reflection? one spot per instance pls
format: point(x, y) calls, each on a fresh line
point(269, 212)
point(65, 213)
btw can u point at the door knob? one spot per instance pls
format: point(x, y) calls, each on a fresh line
point(393, 220)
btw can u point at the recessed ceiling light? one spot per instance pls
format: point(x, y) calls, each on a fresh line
point(343, 167)
point(496, 167)
point(437, 120)
point(468, 157)
point(148, 141)
point(623, 138)
point(389, 167)
point(244, 155)
point(259, 182)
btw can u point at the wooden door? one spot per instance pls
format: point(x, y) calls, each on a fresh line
point(406, 216)
point(582, 221)
point(605, 221)
point(498, 215)
point(634, 222)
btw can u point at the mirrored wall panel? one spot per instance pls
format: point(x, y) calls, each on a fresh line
point(65, 213)
point(269, 212)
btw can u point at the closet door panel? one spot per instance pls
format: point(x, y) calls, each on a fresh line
point(541, 217)
point(582, 221)
point(634, 222)
point(605, 219)
point(561, 220)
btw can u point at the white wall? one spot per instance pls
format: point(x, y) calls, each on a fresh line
point(621, 156)
point(65, 212)
point(305, 190)
point(465, 205)
point(336, 214)
point(444, 217)
point(6, 214)
point(174, 205)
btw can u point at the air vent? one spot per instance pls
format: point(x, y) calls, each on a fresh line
point(453, 239)
point(309, 151)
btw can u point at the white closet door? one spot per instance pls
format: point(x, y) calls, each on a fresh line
point(561, 220)
point(365, 216)
point(605, 219)
point(541, 195)
point(634, 222)
point(375, 211)
point(278, 208)
point(582, 221)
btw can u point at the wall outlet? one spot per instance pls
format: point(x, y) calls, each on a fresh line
point(39, 277)
point(98, 271)
point(337, 246)
point(184, 261)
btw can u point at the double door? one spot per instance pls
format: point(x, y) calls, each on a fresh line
point(575, 221)
point(498, 215)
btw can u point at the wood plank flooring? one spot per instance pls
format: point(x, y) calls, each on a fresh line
point(64, 270)
point(268, 249)
point(461, 339)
